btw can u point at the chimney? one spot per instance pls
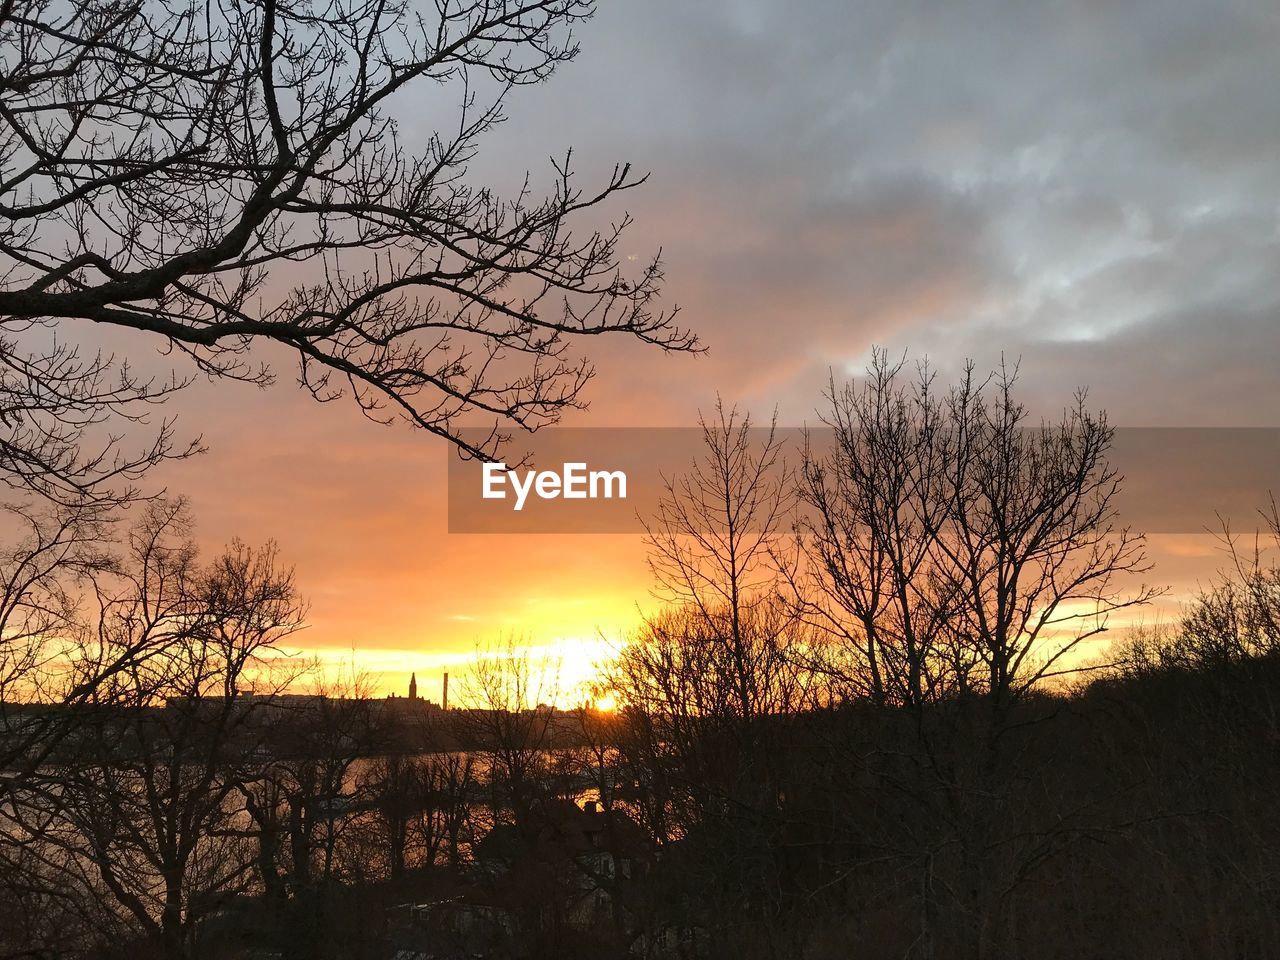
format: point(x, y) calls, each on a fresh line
point(444, 693)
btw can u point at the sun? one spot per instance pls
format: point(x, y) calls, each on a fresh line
point(607, 703)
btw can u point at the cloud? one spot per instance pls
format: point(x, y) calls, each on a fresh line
point(1084, 185)
point(1091, 187)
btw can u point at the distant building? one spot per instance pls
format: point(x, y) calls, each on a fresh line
point(412, 707)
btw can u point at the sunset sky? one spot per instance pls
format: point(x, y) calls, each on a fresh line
point(1090, 187)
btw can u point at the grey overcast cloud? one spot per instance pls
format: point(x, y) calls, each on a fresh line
point(1091, 187)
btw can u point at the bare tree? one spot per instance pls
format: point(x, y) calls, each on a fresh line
point(60, 549)
point(143, 798)
point(955, 545)
point(714, 541)
point(875, 500)
point(708, 685)
point(1031, 540)
point(1237, 616)
point(957, 556)
point(297, 796)
point(226, 177)
point(394, 786)
point(443, 823)
point(422, 808)
point(510, 720)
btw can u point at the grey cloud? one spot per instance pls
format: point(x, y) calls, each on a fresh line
point(1092, 186)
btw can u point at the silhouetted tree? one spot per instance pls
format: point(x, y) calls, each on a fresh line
point(422, 805)
point(713, 543)
point(955, 545)
point(144, 800)
point(959, 554)
point(708, 682)
point(510, 692)
point(444, 824)
point(875, 502)
point(59, 551)
point(162, 161)
point(297, 799)
point(1237, 616)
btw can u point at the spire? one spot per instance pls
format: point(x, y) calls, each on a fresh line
point(413, 686)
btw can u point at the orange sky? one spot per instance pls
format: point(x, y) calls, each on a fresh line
point(360, 510)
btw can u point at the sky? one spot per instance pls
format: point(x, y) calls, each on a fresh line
point(1091, 188)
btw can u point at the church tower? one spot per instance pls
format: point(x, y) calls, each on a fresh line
point(413, 686)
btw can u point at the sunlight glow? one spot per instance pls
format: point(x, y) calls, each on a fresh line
point(607, 704)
